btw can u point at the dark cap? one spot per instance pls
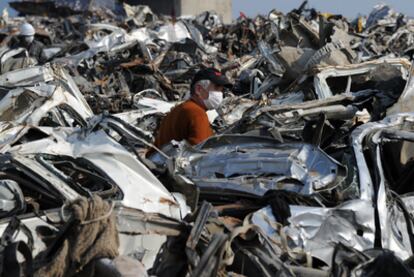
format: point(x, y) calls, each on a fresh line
point(212, 75)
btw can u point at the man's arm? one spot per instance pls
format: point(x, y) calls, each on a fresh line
point(200, 128)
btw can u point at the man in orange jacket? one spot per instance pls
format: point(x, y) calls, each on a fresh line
point(188, 121)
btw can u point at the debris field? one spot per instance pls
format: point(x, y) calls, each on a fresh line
point(308, 172)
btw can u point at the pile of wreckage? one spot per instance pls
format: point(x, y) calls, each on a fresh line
point(308, 173)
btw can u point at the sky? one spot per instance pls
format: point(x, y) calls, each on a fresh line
point(348, 8)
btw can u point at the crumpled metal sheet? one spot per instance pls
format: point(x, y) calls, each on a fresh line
point(317, 230)
point(323, 90)
point(404, 103)
point(224, 162)
point(42, 91)
point(392, 235)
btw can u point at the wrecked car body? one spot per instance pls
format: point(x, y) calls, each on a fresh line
point(56, 176)
point(42, 93)
point(251, 166)
point(72, 146)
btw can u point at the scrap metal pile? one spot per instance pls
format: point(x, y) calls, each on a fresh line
point(309, 174)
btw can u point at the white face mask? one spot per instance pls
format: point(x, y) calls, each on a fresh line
point(214, 100)
point(28, 39)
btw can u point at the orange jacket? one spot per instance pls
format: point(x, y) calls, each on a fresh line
point(187, 121)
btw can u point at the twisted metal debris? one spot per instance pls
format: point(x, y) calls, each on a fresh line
point(309, 173)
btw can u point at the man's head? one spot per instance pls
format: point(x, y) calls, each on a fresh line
point(26, 33)
point(207, 88)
